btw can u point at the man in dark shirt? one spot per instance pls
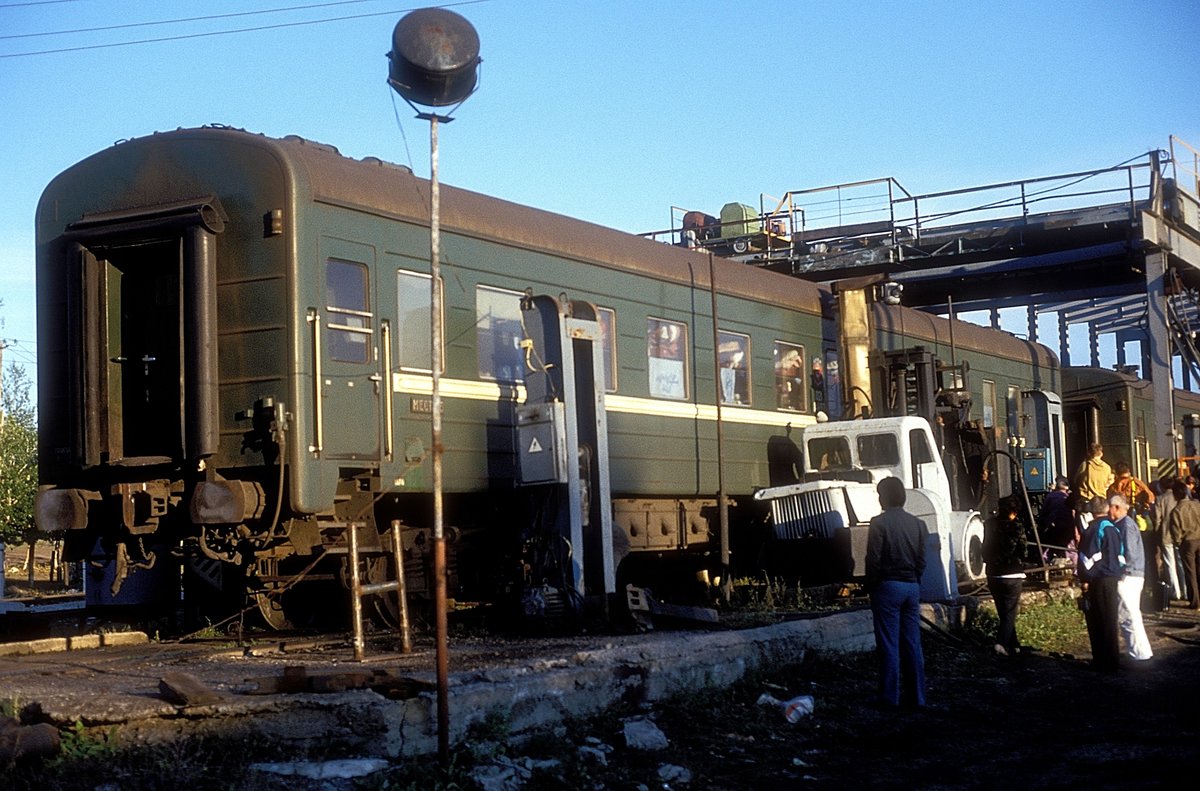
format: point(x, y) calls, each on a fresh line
point(1101, 566)
point(895, 562)
point(1057, 519)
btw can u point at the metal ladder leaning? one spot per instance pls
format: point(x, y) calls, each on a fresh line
point(358, 590)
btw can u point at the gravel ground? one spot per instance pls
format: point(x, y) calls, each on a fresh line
point(1036, 721)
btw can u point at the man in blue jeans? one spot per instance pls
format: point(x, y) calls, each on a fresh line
point(895, 562)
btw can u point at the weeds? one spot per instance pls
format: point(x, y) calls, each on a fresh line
point(1054, 626)
point(79, 744)
point(771, 594)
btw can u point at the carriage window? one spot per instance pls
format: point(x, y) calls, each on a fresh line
point(607, 317)
point(878, 450)
point(829, 453)
point(498, 333)
point(346, 300)
point(989, 404)
point(666, 350)
point(789, 377)
point(412, 321)
point(733, 359)
point(826, 385)
point(1014, 411)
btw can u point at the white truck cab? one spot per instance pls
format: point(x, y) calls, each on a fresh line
point(843, 462)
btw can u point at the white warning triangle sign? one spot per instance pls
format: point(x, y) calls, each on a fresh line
point(535, 446)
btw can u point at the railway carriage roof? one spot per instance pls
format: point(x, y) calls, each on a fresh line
point(373, 186)
point(985, 340)
point(393, 191)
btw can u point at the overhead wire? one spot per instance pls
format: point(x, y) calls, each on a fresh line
point(259, 28)
point(182, 20)
point(34, 2)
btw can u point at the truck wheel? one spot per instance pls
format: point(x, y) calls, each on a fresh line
point(970, 568)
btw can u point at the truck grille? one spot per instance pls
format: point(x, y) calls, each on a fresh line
point(813, 514)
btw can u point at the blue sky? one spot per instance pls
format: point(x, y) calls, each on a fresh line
point(613, 111)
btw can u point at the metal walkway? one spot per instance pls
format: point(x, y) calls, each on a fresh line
point(1117, 249)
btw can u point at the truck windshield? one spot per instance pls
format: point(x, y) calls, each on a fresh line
point(829, 453)
point(878, 450)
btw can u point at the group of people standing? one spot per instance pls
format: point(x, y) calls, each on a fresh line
point(1115, 528)
point(1128, 536)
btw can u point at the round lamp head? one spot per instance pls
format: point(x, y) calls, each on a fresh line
point(434, 57)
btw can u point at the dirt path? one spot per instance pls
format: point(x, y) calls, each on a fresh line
point(1032, 722)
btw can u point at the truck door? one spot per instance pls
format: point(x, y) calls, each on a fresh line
point(350, 386)
point(923, 462)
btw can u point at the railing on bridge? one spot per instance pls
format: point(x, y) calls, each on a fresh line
point(881, 213)
point(1187, 161)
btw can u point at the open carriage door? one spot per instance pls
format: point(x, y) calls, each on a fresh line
point(145, 307)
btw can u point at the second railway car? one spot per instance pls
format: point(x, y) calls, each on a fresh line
point(1116, 409)
point(235, 369)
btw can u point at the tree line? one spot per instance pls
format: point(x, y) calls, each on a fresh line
point(18, 456)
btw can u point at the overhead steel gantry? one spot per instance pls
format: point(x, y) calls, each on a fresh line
point(1117, 249)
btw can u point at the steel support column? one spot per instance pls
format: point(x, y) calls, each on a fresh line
point(1064, 340)
point(1162, 443)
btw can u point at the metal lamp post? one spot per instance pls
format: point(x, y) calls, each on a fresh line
point(434, 60)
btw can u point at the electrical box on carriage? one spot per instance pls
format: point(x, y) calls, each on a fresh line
point(541, 443)
point(1035, 470)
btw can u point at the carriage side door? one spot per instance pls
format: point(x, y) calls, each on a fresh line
point(350, 380)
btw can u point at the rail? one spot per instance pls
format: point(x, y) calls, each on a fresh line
point(1189, 166)
point(881, 212)
point(1120, 183)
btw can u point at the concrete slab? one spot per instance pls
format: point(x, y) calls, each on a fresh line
point(531, 683)
point(44, 646)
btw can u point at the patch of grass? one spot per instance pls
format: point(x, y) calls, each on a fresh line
point(1053, 626)
point(1057, 626)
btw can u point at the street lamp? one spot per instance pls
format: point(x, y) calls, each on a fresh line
point(434, 62)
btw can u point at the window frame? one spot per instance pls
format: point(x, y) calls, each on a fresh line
point(400, 343)
point(520, 362)
point(1012, 403)
point(988, 403)
point(344, 334)
point(746, 379)
point(803, 379)
point(608, 345)
point(654, 327)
